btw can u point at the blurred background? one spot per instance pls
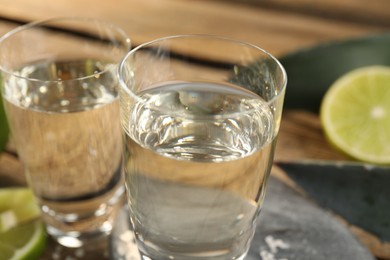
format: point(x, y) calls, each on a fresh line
point(279, 26)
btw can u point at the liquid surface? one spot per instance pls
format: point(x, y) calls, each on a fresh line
point(197, 158)
point(62, 87)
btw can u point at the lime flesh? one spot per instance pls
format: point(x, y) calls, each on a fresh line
point(25, 241)
point(355, 114)
point(22, 233)
point(18, 205)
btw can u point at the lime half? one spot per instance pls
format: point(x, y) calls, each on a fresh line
point(17, 205)
point(22, 233)
point(25, 241)
point(355, 114)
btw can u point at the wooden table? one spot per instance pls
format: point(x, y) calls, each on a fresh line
point(279, 26)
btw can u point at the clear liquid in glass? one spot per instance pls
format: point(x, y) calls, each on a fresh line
point(196, 162)
point(68, 137)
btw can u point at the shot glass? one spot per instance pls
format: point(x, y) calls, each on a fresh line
point(200, 116)
point(60, 93)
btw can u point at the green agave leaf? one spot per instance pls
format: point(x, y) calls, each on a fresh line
point(311, 71)
point(4, 130)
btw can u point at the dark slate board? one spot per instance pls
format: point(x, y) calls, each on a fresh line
point(291, 227)
point(310, 231)
point(357, 192)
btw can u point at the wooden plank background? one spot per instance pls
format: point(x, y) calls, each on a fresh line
point(278, 26)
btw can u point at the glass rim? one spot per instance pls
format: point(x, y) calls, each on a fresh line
point(123, 86)
point(39, 23)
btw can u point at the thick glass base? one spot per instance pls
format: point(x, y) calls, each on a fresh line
point(78, 239)
point(73, 224)
point(150, 251)
point(192, 257)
